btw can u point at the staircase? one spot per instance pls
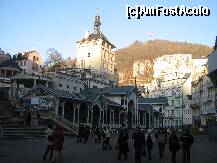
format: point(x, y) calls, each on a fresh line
point(69, 126)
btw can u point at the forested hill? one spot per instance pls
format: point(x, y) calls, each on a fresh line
point(153, 49)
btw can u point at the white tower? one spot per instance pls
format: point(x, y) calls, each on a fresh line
point(96, 52)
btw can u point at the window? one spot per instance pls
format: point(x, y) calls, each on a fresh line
point(67, 86)
point(172, 102)
point(74, 88)
point(60, 85)
point(88, 54)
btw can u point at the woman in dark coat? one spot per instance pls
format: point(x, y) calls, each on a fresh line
point(173, 145)
point(123, 144)
point(58, 139)
point(149, 145)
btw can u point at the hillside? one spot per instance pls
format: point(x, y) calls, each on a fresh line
point(153, 49)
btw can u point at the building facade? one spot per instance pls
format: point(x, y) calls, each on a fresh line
point(173, 76)
point(95, 51)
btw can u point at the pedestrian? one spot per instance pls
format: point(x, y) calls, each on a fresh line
point(96, 134)
point(104, 146)
point(86, 133)
point(187, 140)
point(161, 140)
point(139, 144)
point(149, 145)
point(49, 142)
point(100, 134)
point(39, 118)
point(58, 143)
point(28, 119)
point(80, 133)
point(122, 144)
point(174, 145)
point(107, 135)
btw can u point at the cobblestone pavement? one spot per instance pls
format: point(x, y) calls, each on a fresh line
point(31, 150)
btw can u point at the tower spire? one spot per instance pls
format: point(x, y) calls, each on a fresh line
point(97, 22)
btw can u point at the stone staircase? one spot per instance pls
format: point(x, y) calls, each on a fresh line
point(70, 128)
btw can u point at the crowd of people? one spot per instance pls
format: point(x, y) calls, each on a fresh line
point(143, 142)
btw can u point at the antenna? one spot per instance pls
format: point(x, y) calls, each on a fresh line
point(97, 11)
point(150, 35)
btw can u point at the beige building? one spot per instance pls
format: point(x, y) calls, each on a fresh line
point(30, 62)
point(95, 51)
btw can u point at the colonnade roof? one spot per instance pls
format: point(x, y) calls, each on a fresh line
point(159, 100)
point(10, 63)
point(112, 90)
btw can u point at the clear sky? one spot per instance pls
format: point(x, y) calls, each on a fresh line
point(43, 24)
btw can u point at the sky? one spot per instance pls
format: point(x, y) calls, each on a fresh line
point(42, 24)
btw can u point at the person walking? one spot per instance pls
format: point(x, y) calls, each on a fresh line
point(96, 134)
point(86, 133)
point(49, 142)
point(139, 144)
point(104, 146)
point(122, 143)
point(187, 140)
point(107, 135)
point(80, 133)
point(173, 145)
point(149, 145)
point(58, 143)
point(28, 119)
point(161, 140)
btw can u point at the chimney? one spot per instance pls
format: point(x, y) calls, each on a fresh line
point(86, 34)
point(215, 47)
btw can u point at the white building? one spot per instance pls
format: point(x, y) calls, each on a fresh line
point(30, 62)
point(173, 78)
point(96, 52)
point(169, 67)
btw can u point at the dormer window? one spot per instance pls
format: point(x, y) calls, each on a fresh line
point(88, 54)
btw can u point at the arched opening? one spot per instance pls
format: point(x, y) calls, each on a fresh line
point(83, 113)
point(147, 120)
point(131, 109)
point(122, 118)
point(95, 116)
point(68, 111)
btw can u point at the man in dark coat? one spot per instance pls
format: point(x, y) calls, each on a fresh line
point(149, 145)
point(123, 144)
point(187, 140)
point(80, 133)
point(139, 143)
point(173, 145)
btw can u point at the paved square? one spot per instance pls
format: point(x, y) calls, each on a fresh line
point(31, 151)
